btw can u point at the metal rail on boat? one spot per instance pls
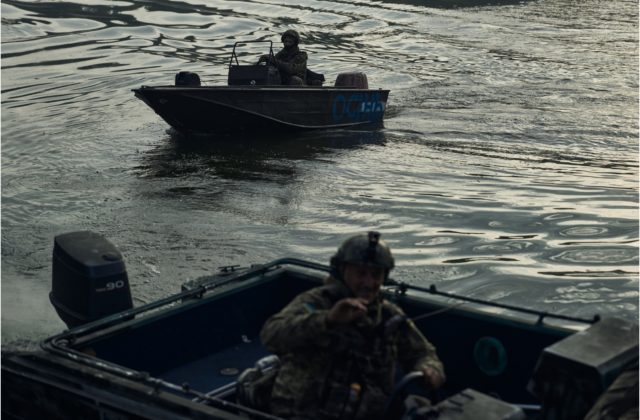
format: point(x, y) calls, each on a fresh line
point(235, 56)
point(61, 340)
point(403, 287)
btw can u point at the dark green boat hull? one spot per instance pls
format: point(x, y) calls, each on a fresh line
point(263, 109)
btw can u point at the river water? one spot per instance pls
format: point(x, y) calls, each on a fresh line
point(507, 168)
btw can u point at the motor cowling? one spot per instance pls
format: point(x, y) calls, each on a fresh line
point(356, 80)
point(187, 78)
point(89, 278)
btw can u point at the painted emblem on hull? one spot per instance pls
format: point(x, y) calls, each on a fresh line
point(357, 107)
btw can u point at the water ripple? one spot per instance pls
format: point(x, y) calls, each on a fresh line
point(579, 231)
point(601, 255)
point(507, 168)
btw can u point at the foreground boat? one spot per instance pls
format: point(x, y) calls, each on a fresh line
point(254, 101)
point(181, 357)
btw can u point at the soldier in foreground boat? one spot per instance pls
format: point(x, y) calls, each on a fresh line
point(620, 401)
point(290, 61)
point(339, 343)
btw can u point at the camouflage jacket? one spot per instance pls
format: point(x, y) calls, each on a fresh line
point(291, 62)
point(341, 372)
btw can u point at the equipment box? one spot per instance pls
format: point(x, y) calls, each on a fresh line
point(258, 75)
point(572, 373)
point(473, 405)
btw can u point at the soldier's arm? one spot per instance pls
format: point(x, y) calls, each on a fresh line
point(296, 66)
point(302, 323)
point(416, 353)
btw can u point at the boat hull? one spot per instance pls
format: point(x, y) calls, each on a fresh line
point(228, 110)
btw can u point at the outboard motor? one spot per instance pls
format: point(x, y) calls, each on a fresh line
point(89, 279)
point(356, 80)
point(187, 78)
point(572, 373)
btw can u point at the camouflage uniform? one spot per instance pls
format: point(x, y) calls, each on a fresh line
point(292, 62)
point(340, 372)
point(620, 400)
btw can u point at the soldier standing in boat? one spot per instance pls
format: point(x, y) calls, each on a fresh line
point(339, 343)
point(290, 61)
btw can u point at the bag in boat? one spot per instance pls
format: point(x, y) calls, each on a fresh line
point(187, 78)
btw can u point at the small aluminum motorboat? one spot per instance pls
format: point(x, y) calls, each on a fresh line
point(255, 101)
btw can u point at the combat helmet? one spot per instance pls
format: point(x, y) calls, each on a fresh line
point(367, 249)
point(293, 34)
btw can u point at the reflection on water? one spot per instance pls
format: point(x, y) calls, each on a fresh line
point(455, 4)
point(268, 158)
point(507, 168)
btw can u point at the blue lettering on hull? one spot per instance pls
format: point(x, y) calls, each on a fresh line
point(357, 107)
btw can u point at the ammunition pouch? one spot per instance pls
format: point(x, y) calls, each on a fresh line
point(340, 402)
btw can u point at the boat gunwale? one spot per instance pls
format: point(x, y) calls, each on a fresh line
point(477, 312)
point(267, 88)
point(221, 285)
point(214, 282)
point(61, 371)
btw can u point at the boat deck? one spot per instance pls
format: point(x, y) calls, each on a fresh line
point(217, 370)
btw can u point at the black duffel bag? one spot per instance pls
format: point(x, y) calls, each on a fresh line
point(187, 78)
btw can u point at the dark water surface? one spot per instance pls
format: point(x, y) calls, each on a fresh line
point(507, 168)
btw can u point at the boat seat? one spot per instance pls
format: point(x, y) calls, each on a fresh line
point(314, 79)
